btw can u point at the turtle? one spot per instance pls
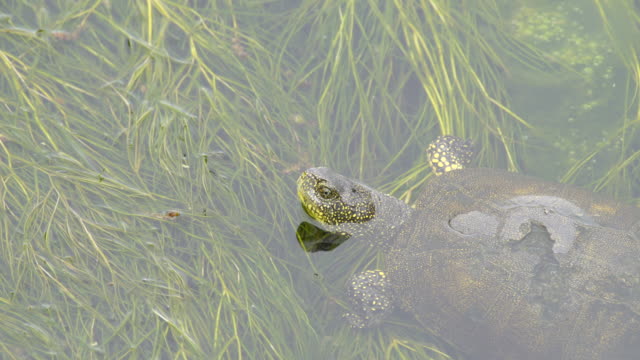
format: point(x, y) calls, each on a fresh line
point(500, 265)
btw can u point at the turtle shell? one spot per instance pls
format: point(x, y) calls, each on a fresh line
point(506, 266)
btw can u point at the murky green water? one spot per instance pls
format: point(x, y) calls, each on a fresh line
point(149, 152)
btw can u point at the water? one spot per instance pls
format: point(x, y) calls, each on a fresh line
point(117, 117)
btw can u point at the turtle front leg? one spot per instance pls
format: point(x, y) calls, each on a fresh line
point(370, 295)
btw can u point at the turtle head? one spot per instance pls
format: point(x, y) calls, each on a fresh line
point(345, 205)
point(334, 199)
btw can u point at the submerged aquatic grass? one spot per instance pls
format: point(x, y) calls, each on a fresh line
point(108, 137)
point(148, 153)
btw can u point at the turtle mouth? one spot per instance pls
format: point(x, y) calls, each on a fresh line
point(304, 200)
point(307, 181)
point(310, 212)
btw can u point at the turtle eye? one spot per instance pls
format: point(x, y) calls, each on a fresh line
point(326, 192)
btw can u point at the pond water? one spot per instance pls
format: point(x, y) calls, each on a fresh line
point(149, 152)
